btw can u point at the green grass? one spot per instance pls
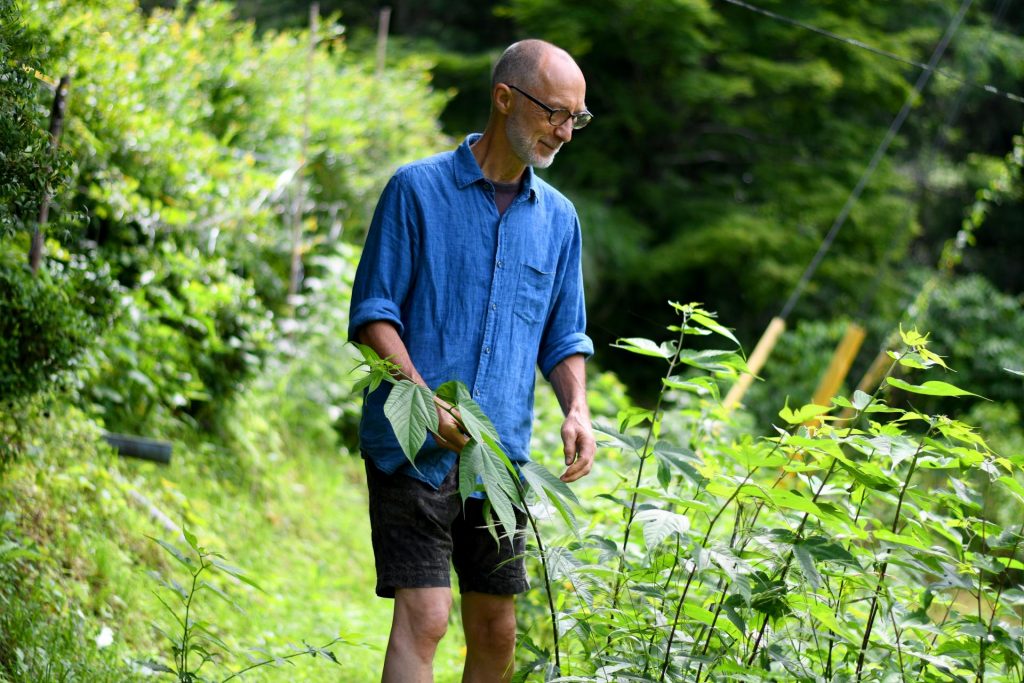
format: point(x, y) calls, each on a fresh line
point(294, 522)
point(270, 491)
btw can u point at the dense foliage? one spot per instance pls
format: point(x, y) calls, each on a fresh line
point(213, 185)
point(860, 541)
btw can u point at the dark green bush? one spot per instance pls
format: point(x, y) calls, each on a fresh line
point(189, 334)
point(42, 329)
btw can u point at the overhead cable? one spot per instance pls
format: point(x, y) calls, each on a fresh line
point(880, 151)
point(876, 50)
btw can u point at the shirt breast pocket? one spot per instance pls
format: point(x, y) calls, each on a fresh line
point(533, 294)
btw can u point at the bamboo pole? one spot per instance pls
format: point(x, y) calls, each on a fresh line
point(757, 360)
point(383, 22)
point(60, 100)
point(298, 195)
point(839, 366)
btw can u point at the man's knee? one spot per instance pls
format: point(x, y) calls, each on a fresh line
point(497, 632)
point(490, 621)
point(423, 613)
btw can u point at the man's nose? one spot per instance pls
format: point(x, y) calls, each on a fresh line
point(564, 131)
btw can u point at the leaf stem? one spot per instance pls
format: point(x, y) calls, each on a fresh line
point(873, 611)
point(644, 455)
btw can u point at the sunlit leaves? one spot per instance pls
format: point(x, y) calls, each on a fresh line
point(802, 414)
point(754, 540)
point(930, 388)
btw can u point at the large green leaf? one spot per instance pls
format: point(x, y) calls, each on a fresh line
point(660, 524)
point(551, 490)
point(645, 347)
point(471, 465)
point(930, 388)
point(714, 326)
point(802, 414)
point(411, 411)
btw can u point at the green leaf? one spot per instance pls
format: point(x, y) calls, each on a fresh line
point(544, 479)
point(806, 561)
point(913, 338)
point(714, 360)
point(823, 549)
point(930, 388)
point(222, 595)
point(805, 413)
point(476, 422)
point(411, 411)
point(500, 489)
point(190, 538)
point(676, 458)
point(237, 573)
point(619, 440)
point(714, 326)
point(175, 553)
point(645, 347)
point(156, 667)
point(471, 466)
point(901, 539)
point(660, 524)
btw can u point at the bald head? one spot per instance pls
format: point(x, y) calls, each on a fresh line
point(527, 62)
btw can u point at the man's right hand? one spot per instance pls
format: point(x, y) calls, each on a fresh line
point(449, 434)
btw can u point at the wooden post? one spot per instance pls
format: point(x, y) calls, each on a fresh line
point(757, 360)
point(838, 368)
point(60, 99)
point(840, 364)
point(295, 215)
point(382, 38)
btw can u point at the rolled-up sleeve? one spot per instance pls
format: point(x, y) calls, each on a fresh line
point(385, 268)
point(565, 334)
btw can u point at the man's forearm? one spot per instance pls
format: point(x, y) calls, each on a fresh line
point(382, 337)
point(569, 380)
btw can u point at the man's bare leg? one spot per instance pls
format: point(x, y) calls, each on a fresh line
point(490, 625)
point(420, 621)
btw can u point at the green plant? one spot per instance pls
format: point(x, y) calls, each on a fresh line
point(196, 642)
point(858, 542)
point(43, 328)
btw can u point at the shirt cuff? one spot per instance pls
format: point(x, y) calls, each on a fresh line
point(560, 349)
point(370, 310)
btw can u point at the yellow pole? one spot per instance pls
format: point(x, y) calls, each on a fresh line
point(838, 367)
point(840, 364)
point(756, 361)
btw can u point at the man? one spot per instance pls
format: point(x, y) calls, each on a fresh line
point(471, 272)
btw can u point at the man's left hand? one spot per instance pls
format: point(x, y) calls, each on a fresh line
point(579, 447)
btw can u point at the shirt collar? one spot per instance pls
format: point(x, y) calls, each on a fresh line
point(467, 171)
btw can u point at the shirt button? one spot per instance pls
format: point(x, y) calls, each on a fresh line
point(487, 349)
point(494, 307)
point(501, 264)
point(477, 393)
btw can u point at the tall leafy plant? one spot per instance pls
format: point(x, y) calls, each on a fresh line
point(854, 543)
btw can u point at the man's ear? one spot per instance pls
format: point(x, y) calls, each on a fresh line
point(502, 98)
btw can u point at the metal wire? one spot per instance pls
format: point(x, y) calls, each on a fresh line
point(876, 50)
point(880, 151)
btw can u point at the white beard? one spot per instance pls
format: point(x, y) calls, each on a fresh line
point(519, 140)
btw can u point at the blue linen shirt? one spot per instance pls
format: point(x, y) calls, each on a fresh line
point(476, 297)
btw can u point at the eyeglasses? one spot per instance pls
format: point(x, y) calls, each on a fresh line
point(557, 117)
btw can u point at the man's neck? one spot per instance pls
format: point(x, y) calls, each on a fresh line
point(496, 159)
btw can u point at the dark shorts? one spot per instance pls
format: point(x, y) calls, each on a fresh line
point(419, 533)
